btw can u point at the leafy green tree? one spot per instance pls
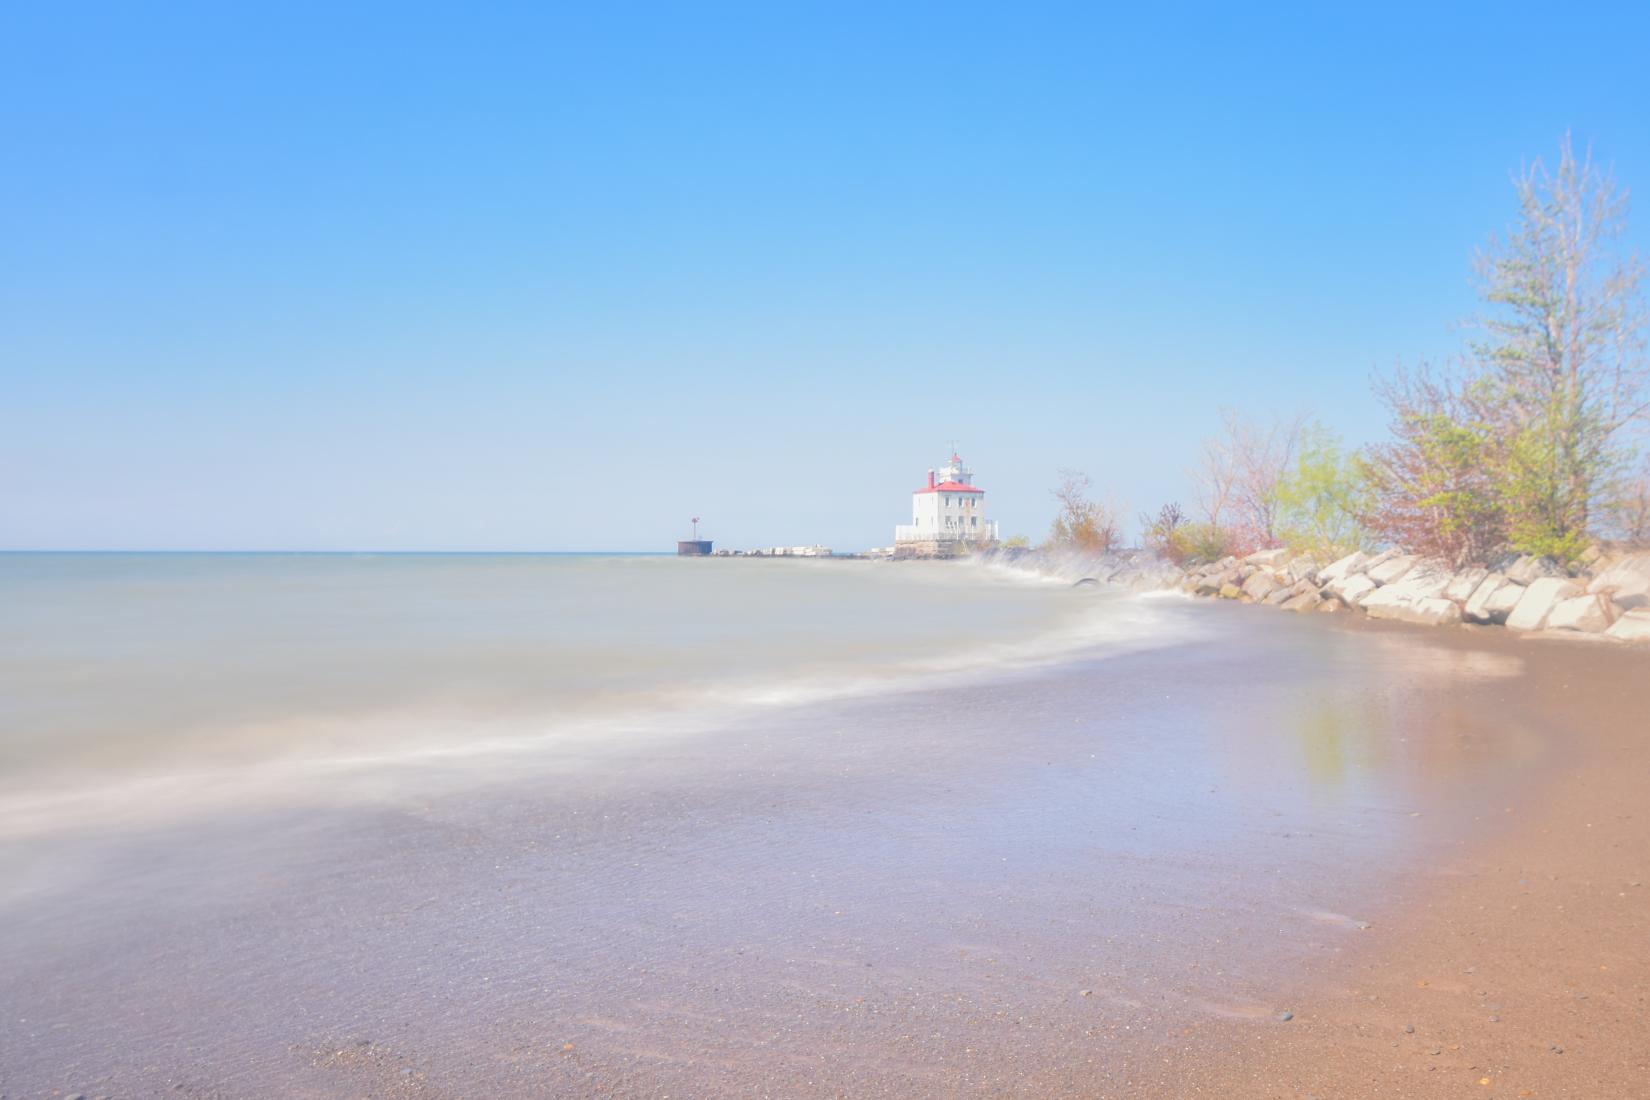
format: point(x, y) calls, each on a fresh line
point(1323, 497)
point(1563, 367)
point(1437, 487)
point(1526, 447)
point(1198, 544)
point(1548, 513)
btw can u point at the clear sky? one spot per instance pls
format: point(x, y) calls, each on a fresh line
point(560, 276)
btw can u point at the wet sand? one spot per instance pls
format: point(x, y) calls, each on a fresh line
point(1519, 964)
point(1240, 867)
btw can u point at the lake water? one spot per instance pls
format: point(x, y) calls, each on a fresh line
point(550, 826)
point(143, 683)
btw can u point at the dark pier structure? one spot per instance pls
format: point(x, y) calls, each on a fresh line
point(695, 547)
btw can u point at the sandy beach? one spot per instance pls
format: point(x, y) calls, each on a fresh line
point(817, 552)
point(1243, 865)
point(1515, 965)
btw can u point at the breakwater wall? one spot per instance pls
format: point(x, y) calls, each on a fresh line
point(1607, 598)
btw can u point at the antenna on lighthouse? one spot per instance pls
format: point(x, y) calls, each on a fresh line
point(695, 528)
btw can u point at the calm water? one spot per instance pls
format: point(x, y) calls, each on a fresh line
point(138, 684)
point(568, 826)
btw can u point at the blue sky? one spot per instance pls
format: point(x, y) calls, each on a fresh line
point(561, 277)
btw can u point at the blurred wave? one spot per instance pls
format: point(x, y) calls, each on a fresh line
point(147, 684)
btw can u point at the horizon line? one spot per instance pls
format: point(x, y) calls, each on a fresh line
point(187, 550)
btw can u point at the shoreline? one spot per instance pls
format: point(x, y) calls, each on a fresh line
point(1518, 968)
point(1608, 598)
point(1102, 879)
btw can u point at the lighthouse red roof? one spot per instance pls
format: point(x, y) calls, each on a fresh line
point(950, 487)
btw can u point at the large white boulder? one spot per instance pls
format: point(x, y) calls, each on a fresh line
point(1538, 601)
point(1351, 590)
point(1339, 570)
point(1393, 569)
point(1383, 604)
point(1626, 582)
point(1382, 558)
point(1394, 601)
point(1633, 626)
point(1432, 611)
point(1259, 585)
point(1424, 581)
point(1306, 601)
point(1479, 608)
point(1285, 592)
point(1303, 568)
point(1464, 584)
point(1527, 570)
point(1502, 603)
point(1272, 559)
point(1588, 614)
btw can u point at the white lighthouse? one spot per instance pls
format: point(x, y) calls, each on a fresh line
point(947, 515)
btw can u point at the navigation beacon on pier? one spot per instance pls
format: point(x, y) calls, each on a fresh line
point(694, 547)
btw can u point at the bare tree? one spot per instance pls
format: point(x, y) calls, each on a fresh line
point(1082, 523)
point(1215, 480)
point(1436, 484)
point(1156, 530)
point(1565, 354)
point(1238, 474)
point(1172, 534)
point(1629, 508)
point(1264, 457)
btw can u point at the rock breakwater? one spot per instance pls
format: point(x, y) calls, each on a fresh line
point(1608, 598)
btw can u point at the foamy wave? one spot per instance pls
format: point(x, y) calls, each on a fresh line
point(922, 630)
point(410, 741)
